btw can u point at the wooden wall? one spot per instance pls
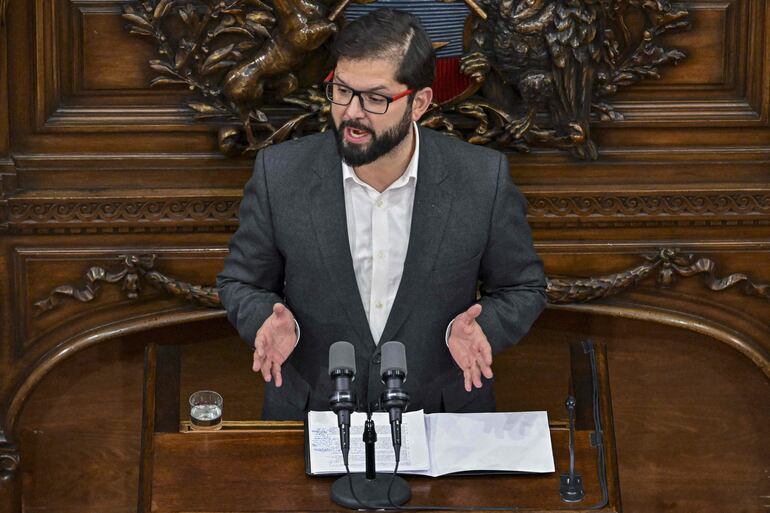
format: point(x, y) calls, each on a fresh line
point(94, 165)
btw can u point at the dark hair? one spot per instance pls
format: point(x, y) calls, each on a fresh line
point(391, 34)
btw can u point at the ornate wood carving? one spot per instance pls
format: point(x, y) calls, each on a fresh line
point(668, 263)
point(136, 268)
point(221, 211)
point(171, 214)
point(711, 203)
point(231, 51)
point(652, 207)
point(546, 67)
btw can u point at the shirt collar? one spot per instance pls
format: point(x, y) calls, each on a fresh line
point(410, 173)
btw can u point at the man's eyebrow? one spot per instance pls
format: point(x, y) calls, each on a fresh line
point(372, 89)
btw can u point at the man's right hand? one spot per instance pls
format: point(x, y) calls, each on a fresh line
point(274, 343)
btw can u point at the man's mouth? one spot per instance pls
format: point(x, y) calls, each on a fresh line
point(356, 135)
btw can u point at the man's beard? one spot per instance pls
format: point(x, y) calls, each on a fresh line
point(359, 155)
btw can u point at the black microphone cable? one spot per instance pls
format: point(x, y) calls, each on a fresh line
point(353, 492)
point(601, 463)
point(397, 454)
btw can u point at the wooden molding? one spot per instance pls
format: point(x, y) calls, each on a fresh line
point(652, 206)
point(220, 213)
point(27, 378)
point(104, 214)
point(669, 264)
point(713, 319)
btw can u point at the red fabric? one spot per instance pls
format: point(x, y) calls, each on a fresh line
point(449, 81)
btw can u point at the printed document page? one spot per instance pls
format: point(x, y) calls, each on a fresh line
point(438, 443)
point(503, 441)
point(324, 441)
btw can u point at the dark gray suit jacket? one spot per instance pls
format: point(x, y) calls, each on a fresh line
point(469, 228)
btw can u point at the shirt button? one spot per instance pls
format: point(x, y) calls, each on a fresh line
point(380, 254)
point(378, 304)
point(379, 203)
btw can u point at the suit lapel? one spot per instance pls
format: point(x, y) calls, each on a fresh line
point(327, 204)
point(432, 204)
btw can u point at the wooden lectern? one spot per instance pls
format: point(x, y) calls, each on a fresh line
point(260, 466)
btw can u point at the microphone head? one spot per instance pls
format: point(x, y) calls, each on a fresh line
point(342, 357)
point(393, 357)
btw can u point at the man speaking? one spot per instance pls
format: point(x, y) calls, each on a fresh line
point(380, 230)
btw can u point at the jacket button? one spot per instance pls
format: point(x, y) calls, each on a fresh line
point(377, 359)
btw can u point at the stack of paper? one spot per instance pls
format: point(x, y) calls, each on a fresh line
point(438, 443)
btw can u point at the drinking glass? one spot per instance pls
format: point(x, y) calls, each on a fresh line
point(206, 410)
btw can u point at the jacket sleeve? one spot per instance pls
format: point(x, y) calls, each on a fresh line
point(253, 275)
point(511, 274)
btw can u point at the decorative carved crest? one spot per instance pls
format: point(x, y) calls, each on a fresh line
point(539, 70)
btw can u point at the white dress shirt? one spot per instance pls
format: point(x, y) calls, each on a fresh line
point(378, 233)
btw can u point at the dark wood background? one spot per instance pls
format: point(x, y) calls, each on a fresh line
point(94, 164)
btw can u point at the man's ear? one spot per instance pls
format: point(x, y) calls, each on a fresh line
point(421, 102)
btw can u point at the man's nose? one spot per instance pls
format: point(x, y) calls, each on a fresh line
point(355, 109)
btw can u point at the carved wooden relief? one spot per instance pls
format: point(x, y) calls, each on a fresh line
point(539, 70)
point(544, 209)
point(169, 213)
point(117, 198)
point(136, 268)
point(669, 263)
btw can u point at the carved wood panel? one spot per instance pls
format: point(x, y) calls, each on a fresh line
point(718, 85)
point(39, 270)
point(91, 77)
point(95, 163)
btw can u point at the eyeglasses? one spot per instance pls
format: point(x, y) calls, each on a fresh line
point(374, 103)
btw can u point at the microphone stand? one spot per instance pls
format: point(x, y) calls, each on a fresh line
point(571, 484)
point(370, 489)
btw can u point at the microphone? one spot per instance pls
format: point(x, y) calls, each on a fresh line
point(394, 399)
point(371, 490)
point(342, 369)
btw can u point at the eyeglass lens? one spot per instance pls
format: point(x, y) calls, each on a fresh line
point(371, 102)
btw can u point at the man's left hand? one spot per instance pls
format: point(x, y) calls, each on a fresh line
point(470, 348)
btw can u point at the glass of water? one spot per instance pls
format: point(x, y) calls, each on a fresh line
point(206, 410)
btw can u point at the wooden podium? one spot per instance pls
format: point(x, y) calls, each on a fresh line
point(260, 466)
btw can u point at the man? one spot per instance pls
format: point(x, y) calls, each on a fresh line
point(379, 230)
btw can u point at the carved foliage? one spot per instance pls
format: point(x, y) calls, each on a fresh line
point(668, 263)
point(558, 58)
point(562, 58)
point(136, 268)
point(230, 53)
